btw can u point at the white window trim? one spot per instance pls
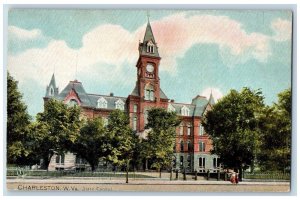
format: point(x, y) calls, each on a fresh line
point(119, 104)
point(171, 108)
point(185, 111)
point(101, 103)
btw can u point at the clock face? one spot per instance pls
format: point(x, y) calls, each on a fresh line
point(150, 68)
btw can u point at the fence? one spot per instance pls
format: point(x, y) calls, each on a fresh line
point(23, 173)
point(268, 176)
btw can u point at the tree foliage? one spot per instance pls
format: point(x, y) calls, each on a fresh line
point(160, 141)
point(18, 121)
point(57, 128)
point(93, 142)
point(275, 125)
point(233, 127)
point(122, 138)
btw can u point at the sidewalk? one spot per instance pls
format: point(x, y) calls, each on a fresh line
point(91, 180)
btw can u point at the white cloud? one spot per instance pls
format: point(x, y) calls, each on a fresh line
point(216, 93)
point(282, 29)
point(107, 47)
point(23, 34)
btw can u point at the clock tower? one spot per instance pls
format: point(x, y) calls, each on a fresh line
point(147, 92)
point(148, 68)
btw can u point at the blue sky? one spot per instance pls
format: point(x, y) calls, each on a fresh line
point(201, 51)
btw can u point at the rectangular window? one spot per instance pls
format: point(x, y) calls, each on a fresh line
point(60, 159)
point(189, 146)
point(189, 130)
point(151, 95)
point(201, 146)
point(202, 162)
point(215, 162)
point(181, 146)
point(201, 130)
point(189, 161)
point(181, 130)
point(181, 160)
point(134, 124)
point(135, 108)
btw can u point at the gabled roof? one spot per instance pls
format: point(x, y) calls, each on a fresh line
point(179, 106)
point(78, 88)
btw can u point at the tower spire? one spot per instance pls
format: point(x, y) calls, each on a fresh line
point(211, 100)
point(148, 47)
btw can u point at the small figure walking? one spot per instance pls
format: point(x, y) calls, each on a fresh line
point(234, 178)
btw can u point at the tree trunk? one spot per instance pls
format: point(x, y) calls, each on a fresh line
point(146, 164)
point(127, 169)
point(46, 161)
point(159, 172)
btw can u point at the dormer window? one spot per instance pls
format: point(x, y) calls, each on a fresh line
point(185, 111)
point(72, 102)
point(119, 104)
point(150, 47)
point(171, 108)
point(101, 103)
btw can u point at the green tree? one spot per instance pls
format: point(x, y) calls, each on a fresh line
point(57, 128)
point(233, 127)
point(18, 121)
point(161, 137)
point(93, 142)
point(275, 125)
point(122, 140)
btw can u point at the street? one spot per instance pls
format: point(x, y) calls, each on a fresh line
point(74, 185)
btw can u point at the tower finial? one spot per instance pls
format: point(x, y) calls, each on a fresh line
point(148, 15)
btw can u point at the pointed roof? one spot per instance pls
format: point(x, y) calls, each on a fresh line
point(149, 34)
point(52, 82)
point(211, 100)
point(148, 37)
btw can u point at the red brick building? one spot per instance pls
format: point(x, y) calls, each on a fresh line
point(193, 146)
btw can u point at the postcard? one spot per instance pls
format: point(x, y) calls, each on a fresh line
point(155, 100)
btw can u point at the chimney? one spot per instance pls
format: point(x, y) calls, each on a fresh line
point(111, 94)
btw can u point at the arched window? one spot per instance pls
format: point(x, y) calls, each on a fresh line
point(72, 102)
point(185, 111)
point(150, 47)
point(119, 104)
point(149, 92)
point(51, 91)
point(181, 146)
point(101, 103)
